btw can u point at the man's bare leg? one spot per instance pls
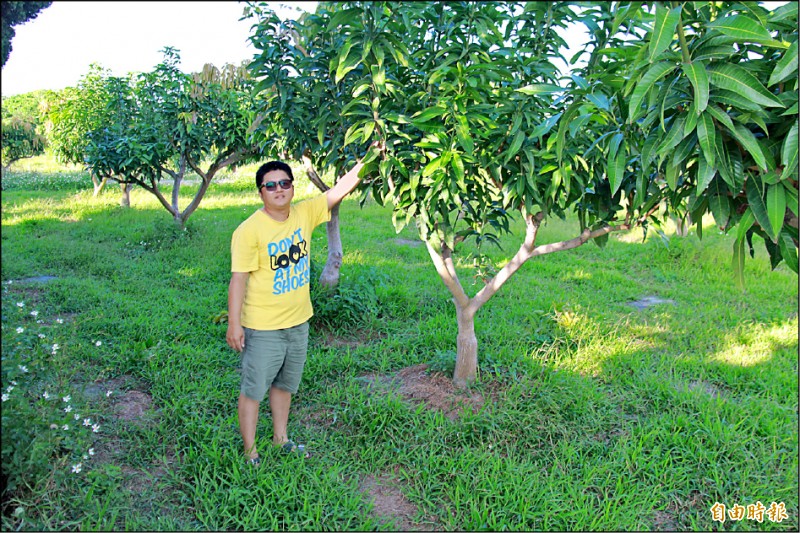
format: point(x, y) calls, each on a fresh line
point(279, 403)
point(248, 419)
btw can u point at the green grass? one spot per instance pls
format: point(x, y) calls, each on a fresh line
point(598, 416)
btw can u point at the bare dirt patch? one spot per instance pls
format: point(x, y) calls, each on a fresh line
point(132, 405)
point(433, 389)
point(437, 391)
point(390, 503)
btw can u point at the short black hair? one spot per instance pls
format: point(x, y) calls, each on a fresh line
point(269, 167)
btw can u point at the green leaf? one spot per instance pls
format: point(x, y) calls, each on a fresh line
point(744, 29)
point(429, 113)
point(433, 166)
point(696, 72)
point(671, 174)
point(516, 123)
point(648, 150)
point(341, 16)
point(540, 88)
point(663, 29)
point(788, 250)
point(369, 127)
point(652, 75)
point(736, 79)
point(463, 134)
point(718, 203)
point(785, 67)
point(776, 206)
point(458, 170)
point(750, 143)
point(346, 64)
point(379, 77)
point(705, 173)
point(755, 199)
point(706, 136)
point(516, 144)
point(789, 153)
point(738, 248)
point(616, 168)
point(720, 115)
point(674, 136)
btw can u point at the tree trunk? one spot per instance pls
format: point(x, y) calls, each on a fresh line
point(98, 185)
point(682, 225)
point(330, 274)
point(125, 201)
point(466, 370)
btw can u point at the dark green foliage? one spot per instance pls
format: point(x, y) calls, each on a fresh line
point(15, 13)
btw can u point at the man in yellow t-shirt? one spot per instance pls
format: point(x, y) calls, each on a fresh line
point(269, 302)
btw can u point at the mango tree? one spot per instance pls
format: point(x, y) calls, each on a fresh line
point(479, 126)
point(23, 127)
point(75, 111)
point(466, 107)
point(305, 101)
point(167, 122)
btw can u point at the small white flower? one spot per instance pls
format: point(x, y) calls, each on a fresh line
point(55, 348)
point(39, 321)
point(87, 421)
point(20, 304)
point(109, 393)
point(13, 382)
point(95, 428)
point(20, 329)
point(45, 395)
point(5, 397)
point(60, 320)
point(10, 388)
point(76, 416)
point(23, 368)
point(67, 409)
point(76, 468)
point(34, 313)
point(91, 451)
point(66, 398)
point(98, 343)
point(85, 457)
point(65, 427)
point(41, 335)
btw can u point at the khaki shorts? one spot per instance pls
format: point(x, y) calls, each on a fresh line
point(273, 358)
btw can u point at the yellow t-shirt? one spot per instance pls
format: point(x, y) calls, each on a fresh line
point(277, 255)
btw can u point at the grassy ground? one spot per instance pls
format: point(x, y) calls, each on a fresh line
point(598, 415)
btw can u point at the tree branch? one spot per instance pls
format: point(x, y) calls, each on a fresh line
point(312, 174)
point(525, 252)
point(585, 236)
point(449, 278)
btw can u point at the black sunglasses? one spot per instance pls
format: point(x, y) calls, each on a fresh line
point(273, 185)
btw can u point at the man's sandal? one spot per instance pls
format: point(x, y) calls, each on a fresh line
point(290, 448)
point(255, 461)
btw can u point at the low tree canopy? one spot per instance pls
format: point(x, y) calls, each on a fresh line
point(142, 128)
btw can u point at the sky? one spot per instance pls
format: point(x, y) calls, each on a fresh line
point(55, 50)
